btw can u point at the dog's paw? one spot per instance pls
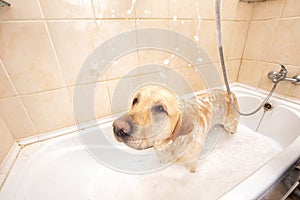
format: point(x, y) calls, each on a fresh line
point(192, 167)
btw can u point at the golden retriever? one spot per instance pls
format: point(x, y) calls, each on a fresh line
point(175, 128)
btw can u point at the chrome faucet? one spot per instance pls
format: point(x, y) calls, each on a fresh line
point(281, 76)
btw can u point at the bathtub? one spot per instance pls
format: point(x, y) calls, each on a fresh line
point(241, 166)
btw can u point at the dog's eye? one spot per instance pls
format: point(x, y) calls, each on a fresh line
point(160, 109)
point(135, 101)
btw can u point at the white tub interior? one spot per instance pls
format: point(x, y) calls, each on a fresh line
point(61, 168)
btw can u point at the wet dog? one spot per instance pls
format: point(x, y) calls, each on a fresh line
point(175, 128)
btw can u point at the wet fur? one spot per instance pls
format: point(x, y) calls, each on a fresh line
point(175, 128)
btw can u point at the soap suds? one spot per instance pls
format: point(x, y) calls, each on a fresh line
point(62, 171)
point(234, 158)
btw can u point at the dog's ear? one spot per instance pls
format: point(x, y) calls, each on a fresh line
point(184, 126)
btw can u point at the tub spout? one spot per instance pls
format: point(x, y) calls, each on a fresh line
point(296, 80)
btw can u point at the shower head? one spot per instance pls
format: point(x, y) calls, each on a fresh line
point(254, 1)
point(4, 3)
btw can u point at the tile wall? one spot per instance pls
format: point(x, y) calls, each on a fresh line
point(44, 43)
point(273, 39)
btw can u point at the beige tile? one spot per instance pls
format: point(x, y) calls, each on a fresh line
point(151, 9)
point(259, 39)
point(161, 58)
point(207, 9)
point(228, 40)
point(114, 9)
point(267, 10)
point(239, 37)
point(208, 38)
point(150, 23)
point(74, 41)
point(283, 86)
point(291, 8)
point(204, 33)
point(28, 9)
point(232, 69)
point(49, 110)
point(228, 9)
point(246, 74)
point(244, 11)
point(189, 28)
point(286, 44)
point(15, 118)
point(98, 93)
point(197, 32)
point(6, 140)
point(193, 80)
point(57, 9)
point(28, 57)
point(211, 74)
point(127, 65)
point(6, 89)
point(121, 91)
point(184, 9)
point(102, 101)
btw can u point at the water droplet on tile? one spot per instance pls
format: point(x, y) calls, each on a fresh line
point(166, 61)
point(147, 12)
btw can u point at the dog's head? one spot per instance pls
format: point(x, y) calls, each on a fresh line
point(154, 118)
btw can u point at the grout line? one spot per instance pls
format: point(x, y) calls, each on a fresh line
point(108, 80)
point(93, 8)
point(39, 92)
point(239, 69)
point(281, 12)
point(13, 153)
point(245, 43)
point(19, 98)
point(131, 18)
point(54, 50)
point(52, 45)
point(275, 63)
point(273, 19)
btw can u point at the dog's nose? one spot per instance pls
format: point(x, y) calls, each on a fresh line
point(121, 128)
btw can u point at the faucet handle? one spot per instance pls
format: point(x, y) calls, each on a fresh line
point(283, 71)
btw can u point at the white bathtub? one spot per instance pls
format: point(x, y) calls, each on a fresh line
point(282, 124)
point(241, 166)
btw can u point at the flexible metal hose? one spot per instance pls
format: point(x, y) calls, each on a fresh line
point(218, 20)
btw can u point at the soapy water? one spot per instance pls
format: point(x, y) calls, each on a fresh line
point(62, 165)
point(234, 158)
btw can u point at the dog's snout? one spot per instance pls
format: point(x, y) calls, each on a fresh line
point(121, 128)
